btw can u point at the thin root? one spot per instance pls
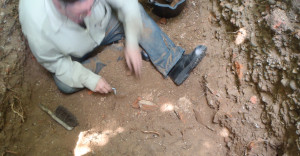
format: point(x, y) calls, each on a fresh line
point(209, 128)
point(20, 114)
point(12, 90)
point(151, 132)
point(232, 32)
point(206, 86)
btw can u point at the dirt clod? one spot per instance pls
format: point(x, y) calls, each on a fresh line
point(135, 104)
point(147, 105)
point(163, 21)
point(253, 99)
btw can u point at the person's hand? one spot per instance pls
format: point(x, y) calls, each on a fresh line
point(103, 86)
point(134, 59)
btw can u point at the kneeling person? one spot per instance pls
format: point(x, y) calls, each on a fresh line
point(61, 34)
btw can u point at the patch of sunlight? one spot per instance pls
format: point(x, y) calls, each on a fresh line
point(206, 148)
point(224, 132)
point(184, 104)
point(92, 138)
point(166, 107)
point(206, 144)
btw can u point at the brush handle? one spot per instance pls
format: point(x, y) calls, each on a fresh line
point(55, 118)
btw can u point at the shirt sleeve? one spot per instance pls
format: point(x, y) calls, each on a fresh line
point(129, 14)
point(72, 73)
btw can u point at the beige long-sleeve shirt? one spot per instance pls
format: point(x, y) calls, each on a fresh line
point(53, 38)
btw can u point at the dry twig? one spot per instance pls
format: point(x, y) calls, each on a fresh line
point(209, 128)
point(232, 32)
point(206, 85)
point(11, 152)
point(151, 132)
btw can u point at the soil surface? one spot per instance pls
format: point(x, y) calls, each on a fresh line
point(216, 111)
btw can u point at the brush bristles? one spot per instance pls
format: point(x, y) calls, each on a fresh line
point(66, 116)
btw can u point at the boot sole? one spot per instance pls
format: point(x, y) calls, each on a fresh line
point(184, 74)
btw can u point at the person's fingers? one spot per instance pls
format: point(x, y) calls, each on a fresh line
point(102, 86)
point(100, 91)
point(135, 67)
point(108, 88)
point(134, 61)
point(139, 67)
point(128, 61)
point(135, 64)
point(104, 90)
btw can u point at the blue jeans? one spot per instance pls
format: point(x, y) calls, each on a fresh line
point(163, 53)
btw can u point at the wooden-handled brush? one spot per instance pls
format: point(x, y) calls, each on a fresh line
point(62, 116)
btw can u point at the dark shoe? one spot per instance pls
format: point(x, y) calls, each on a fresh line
point(165, 10)
point(145, 56)
point(186, 64)
point(169, 1)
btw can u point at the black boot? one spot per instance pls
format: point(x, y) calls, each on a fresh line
point(145, 56)
point(169, 1)
point(186, 64)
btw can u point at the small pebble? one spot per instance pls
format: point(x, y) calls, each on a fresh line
point(284, 82)
point(293, 85)
point(256, 125)
point(163, 21)
point(253, 99)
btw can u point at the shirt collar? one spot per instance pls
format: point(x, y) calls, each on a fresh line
point(55, 17)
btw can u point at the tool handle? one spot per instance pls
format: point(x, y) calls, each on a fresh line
point(55, 118)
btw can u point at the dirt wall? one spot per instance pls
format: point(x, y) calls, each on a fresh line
point(12, 57)
point(271, 56)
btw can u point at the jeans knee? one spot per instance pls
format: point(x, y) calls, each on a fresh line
point(65, 88)
point(68, 90)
